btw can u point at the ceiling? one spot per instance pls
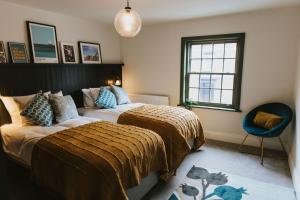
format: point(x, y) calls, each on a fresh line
point(153, 11)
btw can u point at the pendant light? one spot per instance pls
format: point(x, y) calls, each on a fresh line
point(128, 22)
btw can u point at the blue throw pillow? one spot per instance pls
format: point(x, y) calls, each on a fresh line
point(121, 95)
point(106, 98)
point(39, 110)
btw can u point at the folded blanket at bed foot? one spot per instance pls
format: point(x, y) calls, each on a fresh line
point(176, 126)
point(99, 160)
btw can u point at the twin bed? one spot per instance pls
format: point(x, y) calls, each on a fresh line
point(118, 153)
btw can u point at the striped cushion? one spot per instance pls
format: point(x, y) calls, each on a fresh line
point(39, 110)
point(121, 95)
point(106, 98)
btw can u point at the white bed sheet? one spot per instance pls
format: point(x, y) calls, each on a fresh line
point(110, 115)
point(19, 141)
point(113, 114)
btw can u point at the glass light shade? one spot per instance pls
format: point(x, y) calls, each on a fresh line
point(128, 23)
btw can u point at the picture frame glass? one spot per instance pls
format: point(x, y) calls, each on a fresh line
point(18, 52)
point(3, 57)
point(68, 51)
point(90, 53)
point(43, 43)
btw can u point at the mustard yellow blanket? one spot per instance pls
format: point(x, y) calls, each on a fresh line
point(97, 161)
point(174, 124)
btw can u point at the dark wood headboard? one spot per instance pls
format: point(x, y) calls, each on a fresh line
point(24, 79)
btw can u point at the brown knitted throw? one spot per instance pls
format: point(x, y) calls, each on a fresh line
point(99, 160)
point(174, 124)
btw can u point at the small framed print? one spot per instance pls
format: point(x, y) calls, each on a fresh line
point(42, 42)
point(3, 57)
point(68, 51)
point(18, 52)
point(90, 53)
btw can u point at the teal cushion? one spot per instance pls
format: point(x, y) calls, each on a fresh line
point(121, 95)
point(106, 98)
point(39, 110)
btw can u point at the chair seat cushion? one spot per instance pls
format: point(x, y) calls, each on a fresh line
point(257, 131)
point(266, 120)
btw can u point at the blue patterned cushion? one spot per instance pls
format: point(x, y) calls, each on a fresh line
point(39, 110)
point(106, 98)
point(121, 95)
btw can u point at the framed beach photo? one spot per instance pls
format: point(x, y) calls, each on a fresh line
point(18, 52)
point(43, 42)
point(3, 57)
point(68, 52)
point(90, 53)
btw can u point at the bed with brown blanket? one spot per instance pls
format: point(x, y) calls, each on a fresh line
point(176, 125)
point(99, 160)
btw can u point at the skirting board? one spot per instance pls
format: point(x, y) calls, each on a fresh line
point(295, 176)
point(272, 143)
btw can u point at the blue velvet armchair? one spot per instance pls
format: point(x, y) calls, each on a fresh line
point(275, 108)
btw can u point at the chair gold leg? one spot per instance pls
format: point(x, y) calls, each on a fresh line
point(244, 140)
point(262, 151)
point(281, 143)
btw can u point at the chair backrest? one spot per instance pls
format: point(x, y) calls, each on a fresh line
point(280, 109)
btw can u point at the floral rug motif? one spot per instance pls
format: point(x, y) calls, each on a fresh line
point(204, 184)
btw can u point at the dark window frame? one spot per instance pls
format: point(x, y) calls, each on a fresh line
point(224, 38)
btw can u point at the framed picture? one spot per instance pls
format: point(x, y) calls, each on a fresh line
point(90, 53)
point(68, 52)
point(3, 57)
point(43, 42)
point(18, 52)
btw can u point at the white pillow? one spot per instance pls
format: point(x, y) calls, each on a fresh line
point(95, 93)
point(88, 101)
point(46, 94)
point(16, 104)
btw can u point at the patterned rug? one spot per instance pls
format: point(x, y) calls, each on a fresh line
point(208, 184)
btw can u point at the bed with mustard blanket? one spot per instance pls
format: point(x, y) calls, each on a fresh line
point(99, 160)
point(175, 125)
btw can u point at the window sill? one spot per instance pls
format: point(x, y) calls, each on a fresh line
point(211, 108)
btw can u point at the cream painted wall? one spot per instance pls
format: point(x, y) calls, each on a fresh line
point(70, 29)
point(153, 63)
point(294, 139)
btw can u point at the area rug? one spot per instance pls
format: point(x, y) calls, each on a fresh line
point(209, 184)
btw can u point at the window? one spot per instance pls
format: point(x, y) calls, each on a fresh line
point(211, 71)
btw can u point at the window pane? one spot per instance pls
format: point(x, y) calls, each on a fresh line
point(206, 65)
point(218, 50)
point(194, 80)
point(196, 51)
point(204, 95)
point(207, 51)
point(205, 81)
point(229, 66)
point(216, 81)
point(226, 97)
point(227, 82)
point(195, 65)
point(215, 96)
point(217, 66)
point(193, 94)
point(230, 50)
